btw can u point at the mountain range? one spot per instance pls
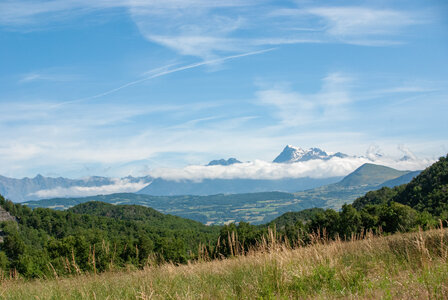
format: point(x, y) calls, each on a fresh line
point(256, 208)
point(41, 187)
point(164, 187)
point(371, 174)
point(291, 154)
point(127, 237)
point(224, 162)
point(19, 190)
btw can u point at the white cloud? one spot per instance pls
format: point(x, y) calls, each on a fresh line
point(196, 29)
point(408, 154)
point(49, 75)
point(266, 170)
point(208, 29)
point(414, 88)
point(119, 186)
point(360, 25)
point(374, 152)
point(41, 137)
point(33, 77)
point(347, 22)
point(295, 109)
point(206, 32)
point(197, 45)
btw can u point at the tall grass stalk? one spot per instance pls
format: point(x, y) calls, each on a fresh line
point(403, 266)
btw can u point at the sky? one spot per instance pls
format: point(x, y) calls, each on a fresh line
point(119, 87)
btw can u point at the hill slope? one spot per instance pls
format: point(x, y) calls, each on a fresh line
point(291, 218)
point(366, 178)
point(371, 174)
point(428, 191)
point(406, 178)
point(135, 213)
point(96, 236)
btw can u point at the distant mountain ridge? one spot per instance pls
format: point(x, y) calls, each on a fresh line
point(291, 154)
point(164, 187)
point(41, 187)
point(371, 174)
point(428, 191)
point(224, 162)
point(24, 189)
point(256, 208)
point(366, 178)
point(401, 180)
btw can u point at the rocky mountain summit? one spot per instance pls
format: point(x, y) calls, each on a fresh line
point(291, 154)
point(224, 162)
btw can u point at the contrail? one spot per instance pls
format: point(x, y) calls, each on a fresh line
point(163, 73)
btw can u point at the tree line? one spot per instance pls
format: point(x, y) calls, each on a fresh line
point(422, 203)
point(96, 236)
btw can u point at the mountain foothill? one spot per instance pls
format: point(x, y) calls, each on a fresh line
point(94, 236)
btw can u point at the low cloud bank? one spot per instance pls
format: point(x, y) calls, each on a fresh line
point(118, 186)
point(257, 169)
point(266, 170)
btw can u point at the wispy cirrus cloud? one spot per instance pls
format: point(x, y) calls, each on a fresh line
point(104, 135)
point(39, 76)
point(209, 29)
point(362, 25)
point(295, 109)
point(22, 13)
point(356, 21)
point(34, 77)
point(207, 32)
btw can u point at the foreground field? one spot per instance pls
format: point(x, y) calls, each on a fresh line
point(407, 266)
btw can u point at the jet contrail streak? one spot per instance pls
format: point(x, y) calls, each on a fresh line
point(163, 73)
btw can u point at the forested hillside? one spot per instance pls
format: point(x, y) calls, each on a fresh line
point(426, 192)
point(95, 236)
point(420, 203)
point(44, 241)
point(137, 213)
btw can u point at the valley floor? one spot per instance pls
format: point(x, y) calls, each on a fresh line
point(401, 266)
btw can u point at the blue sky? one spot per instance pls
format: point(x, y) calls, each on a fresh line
point(119, 87)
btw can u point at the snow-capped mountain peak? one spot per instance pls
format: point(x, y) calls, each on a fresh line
point(289, 154)
point(292, 154)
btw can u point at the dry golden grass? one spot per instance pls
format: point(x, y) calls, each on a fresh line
point(402, 266)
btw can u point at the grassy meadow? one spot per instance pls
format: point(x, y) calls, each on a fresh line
point(401, 266)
